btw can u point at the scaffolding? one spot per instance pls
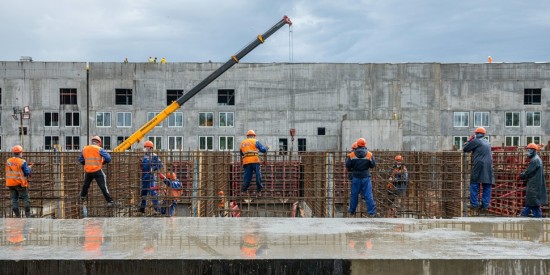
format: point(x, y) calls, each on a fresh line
point(296, 184)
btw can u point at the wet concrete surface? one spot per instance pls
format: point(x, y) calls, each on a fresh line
point(335, 245)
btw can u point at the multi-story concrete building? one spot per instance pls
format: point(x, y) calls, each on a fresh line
point(420, 106)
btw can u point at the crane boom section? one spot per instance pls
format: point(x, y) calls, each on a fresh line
point(139, 134)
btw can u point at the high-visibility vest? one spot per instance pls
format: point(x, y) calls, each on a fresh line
point(14, 173)
point(92, 159)
point(249, 150)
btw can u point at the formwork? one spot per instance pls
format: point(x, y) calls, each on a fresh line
point(296, 184)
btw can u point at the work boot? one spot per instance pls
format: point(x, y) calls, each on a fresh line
point(112, 203)
point(16, 212)
point(27, 214)
point(82, 199)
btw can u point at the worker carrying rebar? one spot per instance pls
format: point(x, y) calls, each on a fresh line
point(150, 163)
point(174, 192)
point(482, 169)
point(93, 157)
point(17, 173)
point(399, 177)
point(250, 149)
point(535, 191)
point(360, 161)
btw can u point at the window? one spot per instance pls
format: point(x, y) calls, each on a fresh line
point(157, 141)
point(461, 119)
point(50, 141)
point(124, 119)
point(459, 141)
point(123, 96)
point(67, 96)
point(175, 119)
point(320, 131)
point(205, 143)
point(151, 115)
point(226, 97)
point(301, 145)
point(103, 119)
point(511, 141)
point(24, 130)
point(173, 95)
point(283, 145)
point(531, 96)
point(226, 143)
point(226, 119)
point(512, 119)
point(106, 142)
point(175, 143)
point(533, 119)
point(206, 119)
point(51, 119)
point(120, 140)
point(72, 143)
point(72, 119)
point(481, 119)
point(533, 139)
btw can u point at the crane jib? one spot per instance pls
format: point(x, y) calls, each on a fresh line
point(138, 135)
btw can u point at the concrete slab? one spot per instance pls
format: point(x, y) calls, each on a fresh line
point(340, 246)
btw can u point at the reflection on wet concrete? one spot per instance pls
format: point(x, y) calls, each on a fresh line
point(273, 238)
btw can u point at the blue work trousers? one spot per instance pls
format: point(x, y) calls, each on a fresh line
point(364, 186)
point(16, 193)
point(148, 190)
point(171, 209)
point(537, 212)
point(248, 169)
point(485, 196)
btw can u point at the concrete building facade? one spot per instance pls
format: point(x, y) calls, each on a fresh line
point(409, 106)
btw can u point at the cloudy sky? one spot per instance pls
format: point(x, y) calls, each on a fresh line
point(360, 31)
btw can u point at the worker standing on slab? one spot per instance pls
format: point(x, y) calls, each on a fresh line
point(174, 192)
point(93, 157)
point(250, 148)
point(149, 164)
point(482, 169)
point(17, 171)
point(360, 161)
point(535, 191)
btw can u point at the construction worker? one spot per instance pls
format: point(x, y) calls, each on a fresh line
point(399, 177)
point(250, 149)
point(17, 172)
point(93, 157)
point(360, 161)
point(163, 60)
point(151, 59)
point(535, 191)
point(482, 169)
point(149, 164)
point(489, 59)
point(174, 192)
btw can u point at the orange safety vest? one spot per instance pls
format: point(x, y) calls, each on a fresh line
point(14, 173)
point(92, 159)
point(250, 152)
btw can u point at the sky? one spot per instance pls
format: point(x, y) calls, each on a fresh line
point(346, 31)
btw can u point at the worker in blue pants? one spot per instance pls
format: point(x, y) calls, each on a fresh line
point(359, 163)
point(150, 163)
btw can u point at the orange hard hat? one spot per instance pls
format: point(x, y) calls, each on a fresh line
point(96, 138)
point(17, 149)
point(481, 130)
point(148, 144)
point(361, 142)
point(398, 158)
point(533, 146)
point(172, 176)
point(354, 145)
point(250, 133)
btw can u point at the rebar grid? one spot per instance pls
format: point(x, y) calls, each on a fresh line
point(296, 184)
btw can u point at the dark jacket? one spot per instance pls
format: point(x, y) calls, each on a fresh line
point(482, 160)
point(535, 192)
point(360, 161)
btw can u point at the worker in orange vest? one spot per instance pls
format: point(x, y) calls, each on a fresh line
point(250, 148)
point(17, 171)
point(93, 157)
